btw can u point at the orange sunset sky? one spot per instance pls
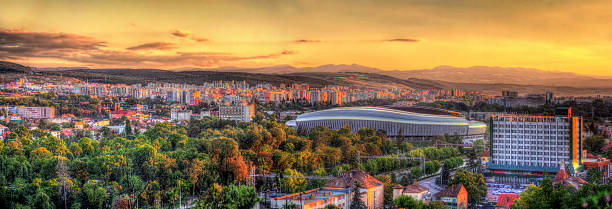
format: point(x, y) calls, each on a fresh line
point(572, 36)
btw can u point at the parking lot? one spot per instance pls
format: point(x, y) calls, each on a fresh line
point(495, 189)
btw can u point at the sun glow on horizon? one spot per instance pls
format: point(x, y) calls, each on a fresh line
point(563, 36)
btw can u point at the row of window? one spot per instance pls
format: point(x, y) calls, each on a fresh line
point(531, 147)
point(534, 153)
point(530, 119)
point(530, 137)
point(531, 158)
point(541, 142)
point(530, 131)
point(527, 163)
point(540, 126)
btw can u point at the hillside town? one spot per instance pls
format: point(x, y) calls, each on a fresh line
point(442, 148)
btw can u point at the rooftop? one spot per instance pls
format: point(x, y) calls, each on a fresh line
point(381, 114)
point(313, 195)
point(413, 188)
point(505, 200)
point(451, 191)
point(351, 177)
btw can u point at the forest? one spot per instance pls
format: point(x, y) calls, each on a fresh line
point(200, 163)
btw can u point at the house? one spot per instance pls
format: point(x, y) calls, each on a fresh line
point(315, 198)
point(414, 190)
point(372, 190)
point(79, 125)
point(504, 201)
point(602, 165)
point(338, 191)
point(563, 178)
point(484, 157)
point(101, 123)
point(2, 130)
point(120, 113)
point(455, 196)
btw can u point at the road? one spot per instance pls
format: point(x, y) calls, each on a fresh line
point(430, 183)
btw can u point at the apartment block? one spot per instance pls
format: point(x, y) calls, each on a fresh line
point(530, 145)
point(238, 111)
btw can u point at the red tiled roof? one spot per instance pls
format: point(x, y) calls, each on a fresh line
point(561, 175)
point(349, 179)
point(485, 154)
point(121, 112)
point(562, 178)
point(68, 116)
point(505, 200)
point(451, 191)
point(414, 188)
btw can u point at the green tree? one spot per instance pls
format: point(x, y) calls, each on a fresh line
point(416, 173)
point(479, 146)
point(240, 197)
point(127, 130)
point(227, 159)
point(388, 188)
point(53, 144)
point(404, 201)
point(594, 176)
point(231, 196)
point(331, 206)
point(196, 169)
point(64, 183)
point(293, 185)
point(544, 195)
point(42, 200)
point(444, 175)
point(593, 144)
point(436, 205)
point(94, 195)
point(356, 201)
point(474, 184)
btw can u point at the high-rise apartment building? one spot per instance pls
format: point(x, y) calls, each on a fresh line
point(36, 113)
point(238, 111)
point(529, 145)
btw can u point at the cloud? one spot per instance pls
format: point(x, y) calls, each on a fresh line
point(287, 52)
point(16, 43)
point(153, 46)
point(186, 34)
point(199, 39)
point(22, 45)
point(403, 40)
point(306, 41)
point(181, 33)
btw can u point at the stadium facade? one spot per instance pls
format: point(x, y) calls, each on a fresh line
point(395, 122)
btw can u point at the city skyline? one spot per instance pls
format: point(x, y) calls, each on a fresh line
point(549, 35)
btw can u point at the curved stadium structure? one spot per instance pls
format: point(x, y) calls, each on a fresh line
point(409, 124)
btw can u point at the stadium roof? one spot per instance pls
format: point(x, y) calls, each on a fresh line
point(381, 114)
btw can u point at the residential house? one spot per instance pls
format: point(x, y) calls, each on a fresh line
point(414, 190)
point(504, 201)
point(454, 196)
point(338, 191)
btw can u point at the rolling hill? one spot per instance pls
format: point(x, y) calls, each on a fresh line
point(472, 75)
point(488, 80)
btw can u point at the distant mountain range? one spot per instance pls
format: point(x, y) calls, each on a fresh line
point(488, 80)
point(473, 75)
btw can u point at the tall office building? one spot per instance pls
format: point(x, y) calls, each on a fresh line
point(531, 146)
